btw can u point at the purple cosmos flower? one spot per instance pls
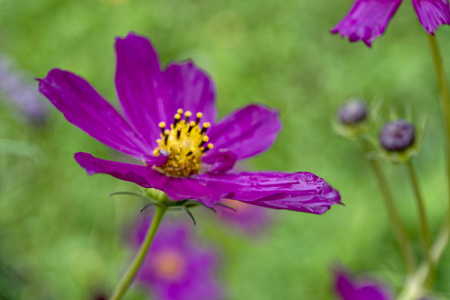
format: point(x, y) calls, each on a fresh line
point(170, 127)
point(368, 19)
point(247, 217)
point(22, 94)
point(349, 288)
point(178, 269)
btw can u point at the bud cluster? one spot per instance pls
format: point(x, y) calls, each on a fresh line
point(397, 139)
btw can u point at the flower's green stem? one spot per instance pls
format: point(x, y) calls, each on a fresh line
point(437, 59)
point(396, 222)
point(424, 227)
point(127, 279)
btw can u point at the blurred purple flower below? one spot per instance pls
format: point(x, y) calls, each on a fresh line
point(249, 218)
point(368, 19)
point(349, 288)
point(168, 113)
point(178, 269)
point(21, 94)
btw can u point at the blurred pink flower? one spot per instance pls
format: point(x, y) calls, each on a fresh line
point(177, 268)
point(21, 93)
point(349, 288)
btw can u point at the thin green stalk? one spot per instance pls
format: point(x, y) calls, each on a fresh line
point(442, 81)
point(424, 227)
point(127, 279)
point(396, 222)
point(415, 285)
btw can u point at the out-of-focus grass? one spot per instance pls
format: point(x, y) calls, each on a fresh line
point(60, 233)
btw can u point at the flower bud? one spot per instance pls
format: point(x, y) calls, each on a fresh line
point(397, 136)
point(353, 112)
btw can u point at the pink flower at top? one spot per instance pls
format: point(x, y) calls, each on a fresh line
point(368, 19)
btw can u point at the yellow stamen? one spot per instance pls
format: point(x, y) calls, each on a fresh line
point(205, 127)
point(184, 143)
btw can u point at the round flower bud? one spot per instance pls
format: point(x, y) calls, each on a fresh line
point(352, 112)
point(397, 136)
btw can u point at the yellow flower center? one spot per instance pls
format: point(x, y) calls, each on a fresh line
point(169, 264)
point(184, 142)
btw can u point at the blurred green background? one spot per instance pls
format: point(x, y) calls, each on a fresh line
point(60, 233)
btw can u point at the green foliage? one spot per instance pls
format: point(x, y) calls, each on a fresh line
point(62, 235)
